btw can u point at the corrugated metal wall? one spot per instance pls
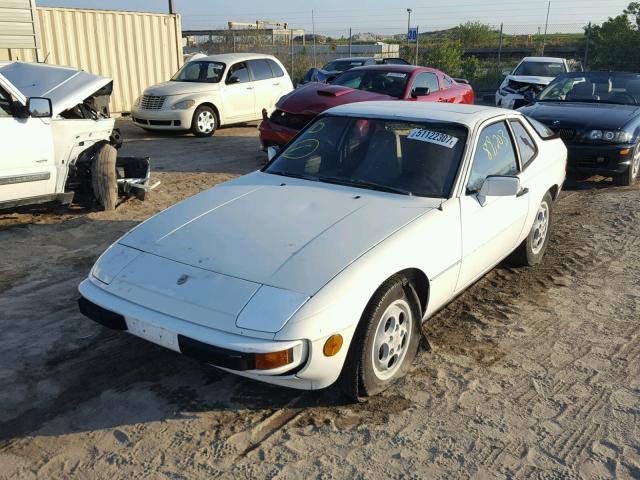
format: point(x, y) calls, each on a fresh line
point(135, 49)
point(18, 24)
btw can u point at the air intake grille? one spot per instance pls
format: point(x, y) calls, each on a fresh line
point(566, 133)
point(150, 102)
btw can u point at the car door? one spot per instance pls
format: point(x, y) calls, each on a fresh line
point(27, 163)
point(425, 80)
point(266, 88)
point(280, 79)
point(490, 231)
point(239, 95)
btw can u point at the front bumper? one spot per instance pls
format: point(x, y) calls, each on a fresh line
point(162, 119)
point(272, 134)
point(308, 370)
point(511, 101)
point(599, 159)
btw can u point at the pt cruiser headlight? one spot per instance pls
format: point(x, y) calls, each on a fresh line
point(610, 136)
point(183, 105)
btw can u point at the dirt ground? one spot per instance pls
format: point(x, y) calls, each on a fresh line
point(533, 373)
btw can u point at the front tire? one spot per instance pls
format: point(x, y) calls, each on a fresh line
point(204, 122)
point(531, 250)
point(104, 177)
point(627, 178)
point(385, 342)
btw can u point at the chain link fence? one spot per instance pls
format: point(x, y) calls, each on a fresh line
point(480, 53)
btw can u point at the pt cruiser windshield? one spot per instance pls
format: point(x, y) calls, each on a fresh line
point(205, 72)
point(402, 157)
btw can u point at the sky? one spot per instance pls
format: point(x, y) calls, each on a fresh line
point(334, 17)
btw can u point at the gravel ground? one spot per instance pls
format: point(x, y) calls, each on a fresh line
point(533, 373)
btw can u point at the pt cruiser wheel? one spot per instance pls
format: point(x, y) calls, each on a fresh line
point(531, 250)
point(385, 342)
point(204, 122)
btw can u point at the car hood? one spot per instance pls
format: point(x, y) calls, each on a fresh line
point(582, 115)
point(529, 79)
point(180, 88)
point(315, 98)
point(64, 86)
point(277, 231)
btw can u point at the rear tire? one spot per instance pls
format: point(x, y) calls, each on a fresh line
point(204, 122)
point(531, 250)
point(385, 342)
point(103, 177)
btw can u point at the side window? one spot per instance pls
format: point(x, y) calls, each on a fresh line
point(5, 104)
point(447, 82)
point(494, 155)
point(526, 145)
point(260, 69)
point(277, 71)
point(426, 80)
point(240, 71)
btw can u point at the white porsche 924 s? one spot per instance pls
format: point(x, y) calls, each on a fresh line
point(322, 266)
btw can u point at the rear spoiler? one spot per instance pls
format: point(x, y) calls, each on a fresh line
point(462, 80)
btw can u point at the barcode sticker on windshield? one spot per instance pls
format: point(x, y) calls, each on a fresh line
point(432, 137)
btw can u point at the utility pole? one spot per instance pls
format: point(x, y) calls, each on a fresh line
point(544, 40)
point(586, 48)
point(349, 41)
point(408, 25)
point(313, 28)
point(172, 7)
point(417, 41)
point(500, 51)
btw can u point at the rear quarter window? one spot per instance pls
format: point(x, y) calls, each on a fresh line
point(541, 129)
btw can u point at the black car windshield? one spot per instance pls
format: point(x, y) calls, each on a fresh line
point(200, 71)
point(594, 87)
point(410, 158)
point(377, 81)
point(540, 69)
point(342, 65)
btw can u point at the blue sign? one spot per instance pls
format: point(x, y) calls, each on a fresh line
point(412, 34)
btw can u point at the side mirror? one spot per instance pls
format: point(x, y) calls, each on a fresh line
point(420, 92)
point(272, 152)
point(506, 72)
point(498, 186)
point(39, 107)
point(330, 78)
point(232, 79)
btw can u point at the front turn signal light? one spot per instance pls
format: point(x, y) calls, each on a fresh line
point(625, 151)
point(332, 345)
point(267, 361)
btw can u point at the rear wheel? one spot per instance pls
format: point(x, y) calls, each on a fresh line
point(385, 343)
point(204, 121)
point(531, 250)
point(103, 177)
point(629, 176)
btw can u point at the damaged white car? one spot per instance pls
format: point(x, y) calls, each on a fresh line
point(527, 80)
point(58, 138)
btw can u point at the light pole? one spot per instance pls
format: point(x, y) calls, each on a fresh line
point(408, 24)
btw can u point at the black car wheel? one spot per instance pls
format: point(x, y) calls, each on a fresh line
point(629, 176)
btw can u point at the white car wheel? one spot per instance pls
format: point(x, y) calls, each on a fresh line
point(204, 121)
point(540, 228)
point(391, 339)
point(531, 250)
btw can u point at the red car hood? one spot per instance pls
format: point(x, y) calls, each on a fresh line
point(315, 98)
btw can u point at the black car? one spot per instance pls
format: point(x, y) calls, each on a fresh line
point(597, 114)
point(336, 67)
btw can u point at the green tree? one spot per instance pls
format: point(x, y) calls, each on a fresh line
point(446, 57)
point(614, 44)
point(475, 34)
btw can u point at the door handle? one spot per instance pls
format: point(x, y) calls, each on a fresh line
point(523, 191)
point(276, 84)
point(249, 88)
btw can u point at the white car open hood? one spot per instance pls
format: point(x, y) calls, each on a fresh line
point(64, 86)
point(530, 79)
point(277, 231)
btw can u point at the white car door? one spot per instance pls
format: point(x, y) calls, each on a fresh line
point(490, 231)
point(266, 88)
point(27, 167)
point(238, 94)
point(281, 79)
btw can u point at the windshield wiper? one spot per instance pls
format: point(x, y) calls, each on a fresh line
point(364, 184)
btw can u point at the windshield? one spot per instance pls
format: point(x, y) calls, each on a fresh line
point(200, 71)
point(342, 65)
point(540, 69)
point(377, 81)
point(410, 158)
point(594, 87)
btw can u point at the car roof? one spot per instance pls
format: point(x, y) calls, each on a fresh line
point(468, 115)
point(543, 59)
point(234, 57)
point(352, 59)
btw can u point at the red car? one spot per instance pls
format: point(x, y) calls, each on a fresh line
point(376, 82)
